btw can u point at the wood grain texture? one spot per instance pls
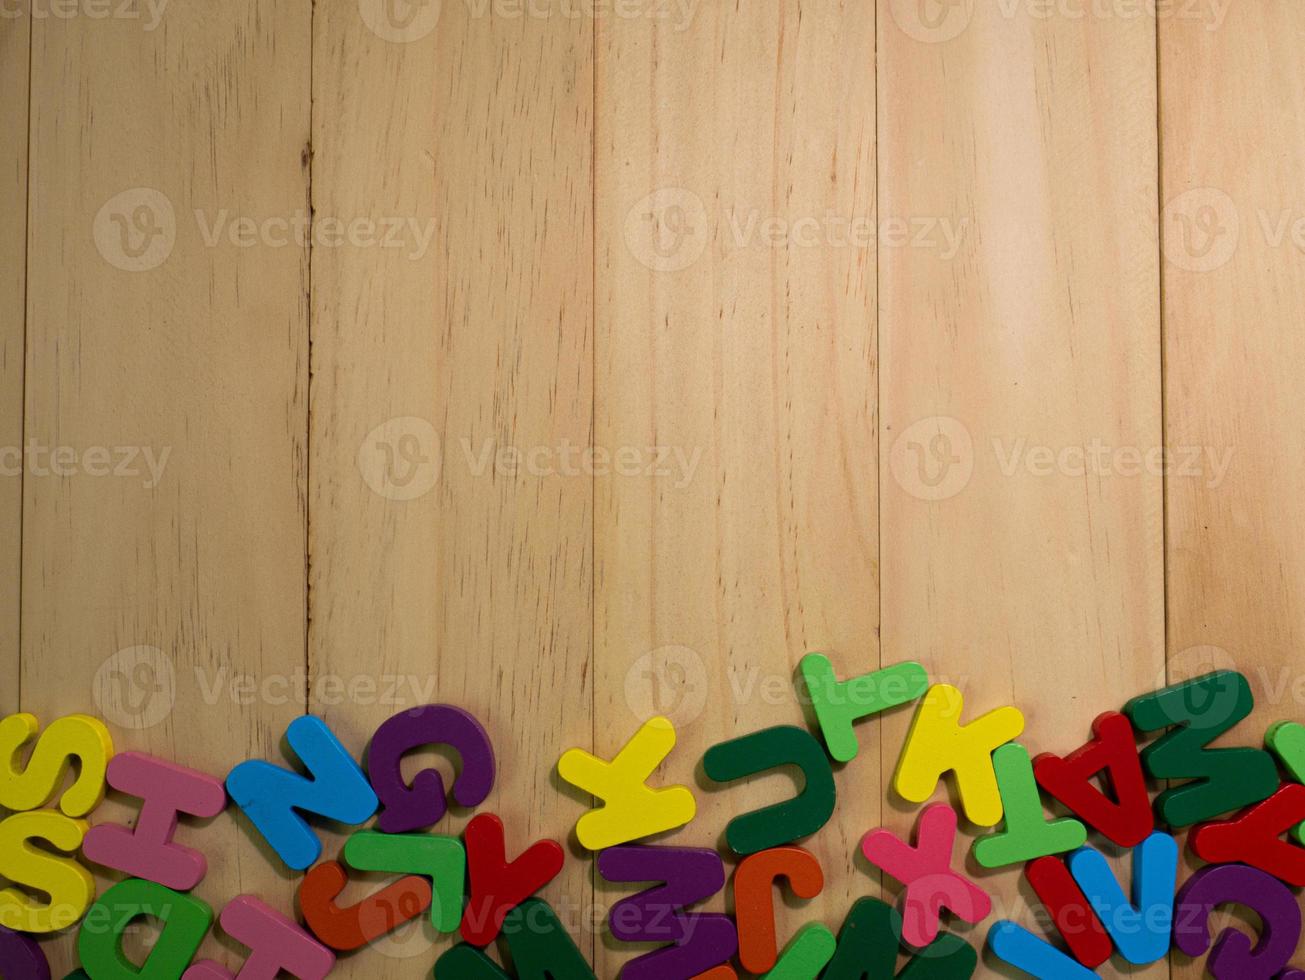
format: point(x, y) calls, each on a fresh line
point(451, 542)
point(577, 363)
point(1233, 101)
point(1019, 579)
point(736, 331)
point(15, 47)
point(200, 352)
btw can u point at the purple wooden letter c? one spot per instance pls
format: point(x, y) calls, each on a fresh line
point(1234, 958)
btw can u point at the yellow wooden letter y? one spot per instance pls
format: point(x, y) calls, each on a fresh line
point(632, 809)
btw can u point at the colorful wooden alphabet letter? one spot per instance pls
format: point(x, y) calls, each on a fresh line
point(1254, 837)
point(868, 945)
point(838, 704)
point(1224, 779)
point(33, 786)
point(806, 954)
point(406, 808)
point(498, 884)
point(377, 915)
point(754, 899)
point(926, 871)
point(1070, 910)
point(631, 808)
point(1015, 945)
point(540, 947)
point(1286, 740)
point(780, 823)
point(148, 851)
point(1234, 958)
point(441, 859)
point(1140, 928)
point(271, 796)
point(184, 922)
point(688, 874)
point(1128, 819)
point(22, 957)
point(275, 944)
point(70, 887)
point(938, 743)
point(463, 961)
point(1028, 834)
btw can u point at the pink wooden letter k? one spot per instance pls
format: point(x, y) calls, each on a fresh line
point(926, 871)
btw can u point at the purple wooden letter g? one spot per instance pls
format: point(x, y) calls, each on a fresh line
point(407, 808)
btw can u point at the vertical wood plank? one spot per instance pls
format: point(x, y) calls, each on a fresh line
point(736, 328)
point(150, 591)
point(1233, 113)
point(450, 540)
point(15, 50)
point(1022, 573)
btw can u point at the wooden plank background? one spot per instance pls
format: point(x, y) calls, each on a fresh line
point(578, 363)
point(752, 361)
point(1036, 138)
point(15, 47)
point(1233, 121)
